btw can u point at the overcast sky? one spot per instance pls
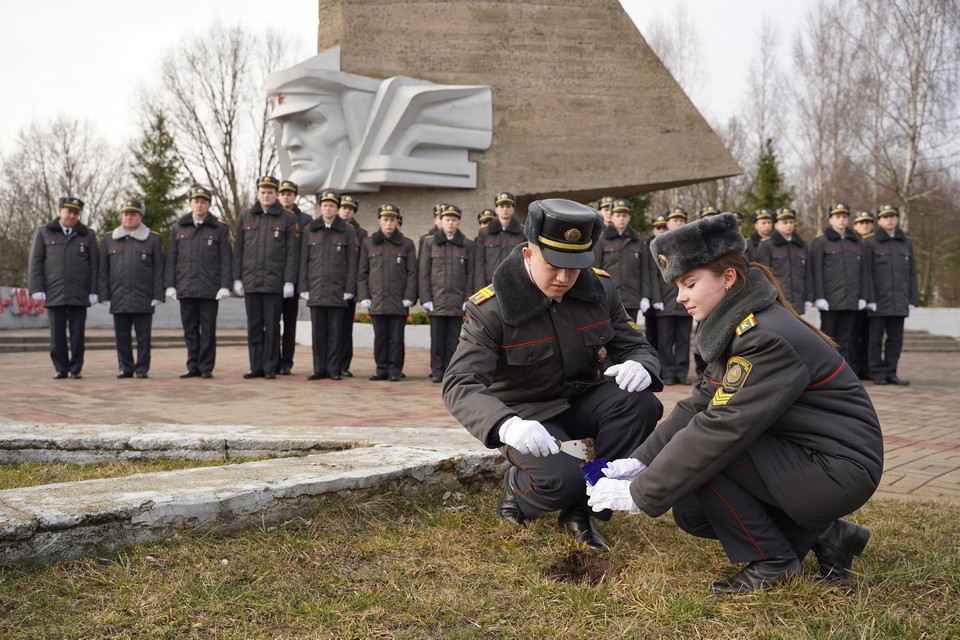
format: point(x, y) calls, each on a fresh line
point(87, 59)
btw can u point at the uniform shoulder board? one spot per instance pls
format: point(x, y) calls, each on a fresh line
point(746, 324)
point(153, 233)
point(601, 272)
point(483, 295)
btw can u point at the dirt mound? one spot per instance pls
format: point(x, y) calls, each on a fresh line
point(582, 566)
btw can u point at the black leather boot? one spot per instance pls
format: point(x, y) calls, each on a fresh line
point(836, 547)
point(577, 522)
point(509, 508)
point(760, 574)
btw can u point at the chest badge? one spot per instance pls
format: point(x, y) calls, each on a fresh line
point(602, 355)
point(143, 257)
point(276, 233)
point(209, 242)
point(83, 248)
point(737, 371)
point(399, 259)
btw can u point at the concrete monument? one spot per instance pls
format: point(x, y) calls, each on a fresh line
point(350, 133)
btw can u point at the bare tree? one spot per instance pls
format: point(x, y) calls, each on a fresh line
point(914, 63)
point(48, 161)
point(213, 87)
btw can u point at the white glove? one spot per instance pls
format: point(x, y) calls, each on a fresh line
point(644, 305)
point(287, 289)
point(154, 303)
point(223, 293)
point(807, 305)
point(624, 469)
point(366, 304)
point(910, 307)
point(171, 293)
point(630, 376)
point(658, 306)
point(861, 304)
point(822, 304)
point(407, 303)
point(528, 437)
point(608, 493)
point(238, 287)
point(428, 306)
point(464, 307)
point(347, 296)
point(94, 298)
point(305, 295)
point(872, 306)
point(39, 296)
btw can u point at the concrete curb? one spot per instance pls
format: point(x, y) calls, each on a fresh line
point(100, 517)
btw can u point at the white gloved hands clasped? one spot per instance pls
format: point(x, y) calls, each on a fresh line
point(238, 287)
point(871, 306)
point(528, 437)
point(407, 303)
point(93, 298)
point(156, 303)
point(305, 296)
point(623, 469)
point(861, 304)
point(644, 305)
point(287, 289)
point(658, 306)
point(366, 303)
point(630, 376)
point(911, 307)
point(428, 306)
point(223, 293)
point(347, 297)
point(822, 304)
point(807, 305)
point(39, 296)
point(608, 493)
point(171, 293)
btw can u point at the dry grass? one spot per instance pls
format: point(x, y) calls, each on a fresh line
point(32, 474)
point(443, 566)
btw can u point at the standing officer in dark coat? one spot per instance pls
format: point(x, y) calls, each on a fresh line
point(762, 226)
point(446, 276)
point(63, 274)
point(328, 282)
point(548, 354)
point(387, 285)
point(349, 206)
point(658, 224)
point(622, 253)
point(776, 444)
point(674, 324)
point(863, 224)
point(840, 279)
point(265, 263)
point(786, 255)
point(291, 306)
point(199, 275)
point(497, 239)
point(893, 271)
point(484, 218)
point(131, 280)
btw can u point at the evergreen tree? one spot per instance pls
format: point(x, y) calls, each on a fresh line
point(768, 188)
point(158, 175)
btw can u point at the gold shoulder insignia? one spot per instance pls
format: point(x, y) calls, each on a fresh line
point(483, 295)
point(601, 272)
point(746, 324)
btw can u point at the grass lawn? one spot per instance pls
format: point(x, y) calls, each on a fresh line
point(443, 566)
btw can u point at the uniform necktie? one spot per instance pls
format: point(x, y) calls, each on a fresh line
point(67, 231)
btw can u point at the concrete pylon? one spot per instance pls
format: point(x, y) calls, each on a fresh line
point(581, 105)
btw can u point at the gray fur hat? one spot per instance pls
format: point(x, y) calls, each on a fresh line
point(695, 244)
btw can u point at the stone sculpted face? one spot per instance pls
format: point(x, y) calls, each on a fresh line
point(311, 142)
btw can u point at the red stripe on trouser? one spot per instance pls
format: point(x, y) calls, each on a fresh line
point(520, 466)
point(727, 505)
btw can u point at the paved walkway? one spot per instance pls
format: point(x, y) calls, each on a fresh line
point(920, 422)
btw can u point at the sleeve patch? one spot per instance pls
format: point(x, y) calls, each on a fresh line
point(736, 375)
point(746, 324)
point(483, 295)
point(720, 397)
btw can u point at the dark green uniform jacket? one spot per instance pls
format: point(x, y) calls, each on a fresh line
point(328, 262)
point(199, 259)
point(494, 244)
point(64, 267)
point(387, 274)
point(893, 273)
point(624, 257)
point(446, 272)
point(131, 270)
point(774, 388)
point(839, 273)
point(266, 250)
point(790, 261)
point(522, 354)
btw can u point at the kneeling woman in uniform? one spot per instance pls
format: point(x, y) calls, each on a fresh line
point(776, 444)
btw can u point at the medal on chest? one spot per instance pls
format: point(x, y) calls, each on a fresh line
point(602, 355)
point(399, 259)
point(276, 233)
